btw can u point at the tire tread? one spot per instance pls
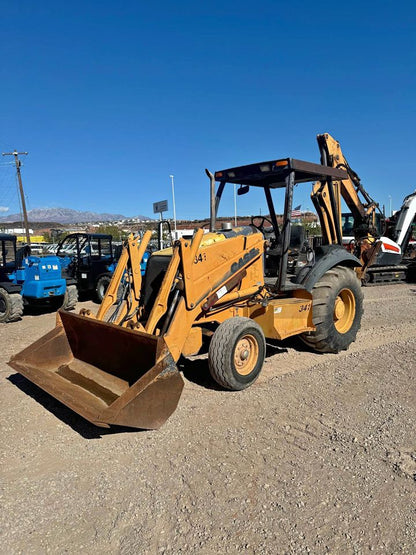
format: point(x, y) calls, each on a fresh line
point(70, 298)
point(219, 350)
point(15, 302)
point(326, 339)
point(16, 312)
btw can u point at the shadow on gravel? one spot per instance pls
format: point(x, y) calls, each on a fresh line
point(296, 344)
point(66, 415)
point(84, 296)
point(45, 308)
point(36, 309)
point(274, 347)
point(197, 371)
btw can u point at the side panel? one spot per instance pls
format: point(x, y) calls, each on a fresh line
point(212, 265)
point(389, 254)
point(283, 318)
point(406, 217)
point(44, 289)
point(10, 287)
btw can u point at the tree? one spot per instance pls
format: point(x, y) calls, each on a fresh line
point(311, 228)
point(113, 230)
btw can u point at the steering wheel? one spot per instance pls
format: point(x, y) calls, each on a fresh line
point(260, 226)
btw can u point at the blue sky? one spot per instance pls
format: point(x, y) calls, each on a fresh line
point(111, 98)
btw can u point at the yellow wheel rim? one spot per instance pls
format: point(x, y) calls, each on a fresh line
point(344, 310)
point(246, 355)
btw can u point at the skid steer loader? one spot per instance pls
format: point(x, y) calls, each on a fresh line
point(118, 367)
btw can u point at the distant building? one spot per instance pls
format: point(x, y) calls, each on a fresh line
point(15, 230)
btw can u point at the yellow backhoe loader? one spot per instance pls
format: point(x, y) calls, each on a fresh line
point(118, 367)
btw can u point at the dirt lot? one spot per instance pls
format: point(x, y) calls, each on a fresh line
point(318, 456)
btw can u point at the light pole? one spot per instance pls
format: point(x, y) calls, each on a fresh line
point(174, 207)
point(390, 205)
point(235, 206)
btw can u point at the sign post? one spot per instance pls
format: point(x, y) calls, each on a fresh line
point(159, 208)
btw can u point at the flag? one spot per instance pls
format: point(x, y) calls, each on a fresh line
point(296, 213)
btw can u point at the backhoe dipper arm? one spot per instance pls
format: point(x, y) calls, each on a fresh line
point(350, 189)
point(326, 199)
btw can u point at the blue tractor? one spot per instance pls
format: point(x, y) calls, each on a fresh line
point(29, 280)
point(90, 260)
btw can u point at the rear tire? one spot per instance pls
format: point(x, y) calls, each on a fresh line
point(11, 306)
point(236, 353)
point(337, 309)
point(102, 285)
point(70, 297)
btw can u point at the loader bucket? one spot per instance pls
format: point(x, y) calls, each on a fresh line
point(105, 373)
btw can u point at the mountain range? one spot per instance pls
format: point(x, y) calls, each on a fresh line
point(66, 216)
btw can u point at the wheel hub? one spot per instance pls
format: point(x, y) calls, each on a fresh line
point(245, 355)
point(344, 311)
point(339, 309)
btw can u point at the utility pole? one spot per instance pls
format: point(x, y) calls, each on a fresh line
point(22, 195)
point(173, 198)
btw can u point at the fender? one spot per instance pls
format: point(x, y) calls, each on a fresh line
point(326, 257)
point(10, 287)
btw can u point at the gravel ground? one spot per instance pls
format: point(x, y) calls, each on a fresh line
point(318, 456)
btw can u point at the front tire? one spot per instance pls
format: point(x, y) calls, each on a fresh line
point(102, 285)
point(236, 353)
point(70, 297)
point(11, 306)
point(337, 309)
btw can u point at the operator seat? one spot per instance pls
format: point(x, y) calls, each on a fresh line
point(22, 253)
